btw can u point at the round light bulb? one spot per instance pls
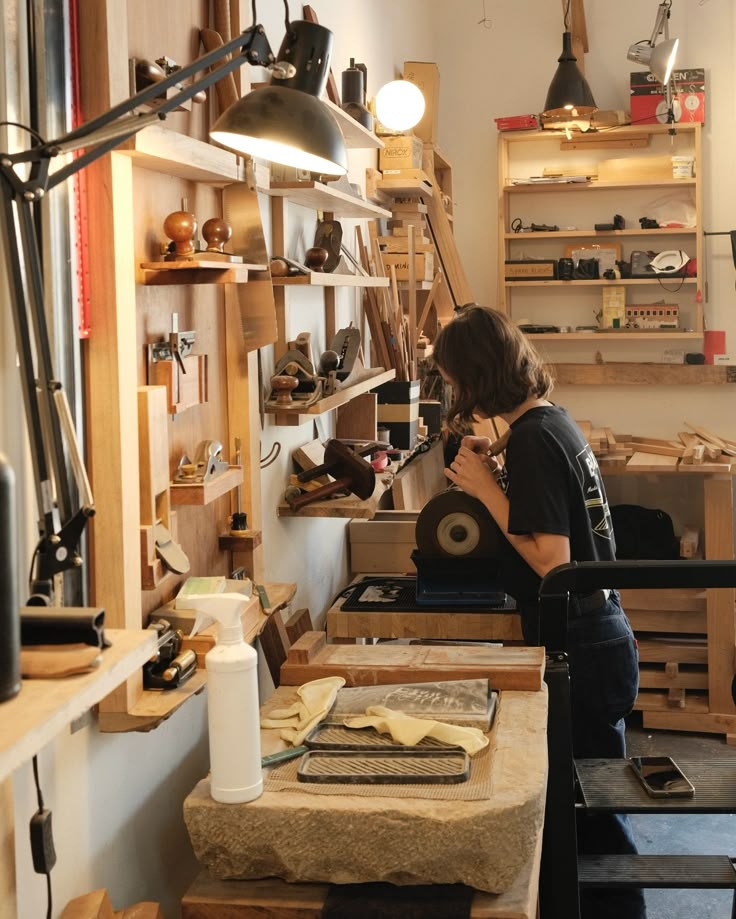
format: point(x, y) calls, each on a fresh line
point(399, 105)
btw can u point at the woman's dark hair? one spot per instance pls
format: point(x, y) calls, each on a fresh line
point(492, 364)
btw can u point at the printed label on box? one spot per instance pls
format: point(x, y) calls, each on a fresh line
point(648, 103)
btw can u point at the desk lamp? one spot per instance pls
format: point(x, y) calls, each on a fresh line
point(660, 59)
point(284, 122)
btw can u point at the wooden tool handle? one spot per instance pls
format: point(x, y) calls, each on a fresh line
point(227, 91)
point(323, 492)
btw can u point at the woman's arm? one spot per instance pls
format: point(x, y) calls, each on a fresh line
point(541, 551)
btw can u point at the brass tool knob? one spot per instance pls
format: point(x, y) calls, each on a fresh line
point(283, 386)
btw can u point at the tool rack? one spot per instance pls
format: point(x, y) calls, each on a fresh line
point(608, 786)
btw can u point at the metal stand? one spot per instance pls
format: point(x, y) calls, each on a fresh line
point(559, 893)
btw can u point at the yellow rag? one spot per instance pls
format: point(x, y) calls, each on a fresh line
point(406, 729)
point(316, 698)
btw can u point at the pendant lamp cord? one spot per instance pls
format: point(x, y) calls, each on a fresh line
point(286, 17)
point(567, 16)
point(253, 9)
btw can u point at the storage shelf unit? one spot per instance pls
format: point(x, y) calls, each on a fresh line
point(628, 374)
point(568, 206)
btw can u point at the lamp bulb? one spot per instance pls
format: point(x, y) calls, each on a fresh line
point(399, 105)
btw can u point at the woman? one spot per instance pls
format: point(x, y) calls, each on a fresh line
point(550, 504)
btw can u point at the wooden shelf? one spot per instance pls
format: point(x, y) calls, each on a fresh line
point(600, 234)
point(326, 279)
point(618, 336)
point(201, 493)
point(297, 414)
point(162, 150)
point(406, 188)
point(605, 133)
point(537, 187)
point(249, 541)
point(617, 374)
point(321, 197)
point(198, 272)
point(44, 708)
point(350, 506)
point(602, 282)
point(153, 707)
point(356, 136)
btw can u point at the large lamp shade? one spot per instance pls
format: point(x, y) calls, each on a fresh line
point(569, 93)
point(284, 126)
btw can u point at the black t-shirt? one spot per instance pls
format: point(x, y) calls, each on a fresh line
point(554, 486)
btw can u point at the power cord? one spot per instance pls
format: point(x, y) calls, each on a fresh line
point(42, 840)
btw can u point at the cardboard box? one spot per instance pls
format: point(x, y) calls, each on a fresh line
point(517, 123)
point(614, 307)
point(648, 104)
point(398, 410)
point(427, 77)
point(423, 265)
point(653, 316)
point(401, 151)
point(384, 544)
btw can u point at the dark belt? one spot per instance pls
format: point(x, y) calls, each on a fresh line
point(588, 603)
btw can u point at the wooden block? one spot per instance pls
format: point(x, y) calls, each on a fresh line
point(647, 462)
point(183, 389)
point(420, 479)
point(676, 697)
point(94, 905)
point(367, 665)
point(358, 419)
point(635, 169)
point(307, 647)
point(378, 558)
point(142, 910)
point(274, 644)
point(298, 624)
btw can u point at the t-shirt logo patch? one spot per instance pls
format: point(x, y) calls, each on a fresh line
point(595, 501)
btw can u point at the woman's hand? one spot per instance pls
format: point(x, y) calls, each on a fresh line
point(471, 471)
point(481, 446)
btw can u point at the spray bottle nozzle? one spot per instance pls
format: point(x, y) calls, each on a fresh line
point(225, 609)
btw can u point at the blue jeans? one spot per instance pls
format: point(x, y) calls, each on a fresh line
point(604, 681)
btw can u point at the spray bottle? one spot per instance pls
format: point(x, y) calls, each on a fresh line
point(232, 700)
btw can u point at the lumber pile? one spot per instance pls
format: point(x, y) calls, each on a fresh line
point(694, 450)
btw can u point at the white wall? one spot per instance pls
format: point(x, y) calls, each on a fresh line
point(505, 70)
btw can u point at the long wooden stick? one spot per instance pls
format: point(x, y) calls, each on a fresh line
point(372, 310)
point(412, 302)
point(436, 281)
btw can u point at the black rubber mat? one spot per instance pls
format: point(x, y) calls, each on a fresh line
point(675, 871)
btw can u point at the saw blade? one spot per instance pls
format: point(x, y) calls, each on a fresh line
point(456, 524)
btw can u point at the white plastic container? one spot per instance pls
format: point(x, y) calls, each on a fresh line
point(682, 167)
point(232, 701)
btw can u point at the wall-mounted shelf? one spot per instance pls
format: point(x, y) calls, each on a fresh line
point(405, 188)
point(625, 282)
point(44, 708)
point(541, 187)
point(297, 414)
point(350, 506)
point(322, 197)
point(617, 374)
point(162, 150)
point(599, 234)
point(626, 335)
point(153, 707)
point(356, 136)
point(249, 541)
point(201, 493)
point(198, 272)
point(325, 279)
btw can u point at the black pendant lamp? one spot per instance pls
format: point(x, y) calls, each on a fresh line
point(569, 95)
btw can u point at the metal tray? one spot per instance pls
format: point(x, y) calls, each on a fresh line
point(333, 735)
point(421, 767)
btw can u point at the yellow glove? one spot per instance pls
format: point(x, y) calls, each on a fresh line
point(408, 730)
point(316, 698)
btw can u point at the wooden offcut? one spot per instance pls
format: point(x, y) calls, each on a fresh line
point(311, 658)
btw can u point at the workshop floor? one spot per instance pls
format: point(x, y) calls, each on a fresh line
point(687, 833)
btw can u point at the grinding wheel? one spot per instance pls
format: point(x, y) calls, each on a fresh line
point(456, 524)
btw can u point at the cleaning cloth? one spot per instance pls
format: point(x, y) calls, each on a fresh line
point(316, 698)
point(406, 729)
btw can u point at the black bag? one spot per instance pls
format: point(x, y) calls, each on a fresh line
point(642, 532)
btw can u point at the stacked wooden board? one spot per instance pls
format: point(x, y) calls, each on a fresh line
point(696, 450)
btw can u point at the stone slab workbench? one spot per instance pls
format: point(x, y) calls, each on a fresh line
point(299, 836)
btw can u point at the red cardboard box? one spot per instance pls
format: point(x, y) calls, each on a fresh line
point(648, 105)
point(517, 123)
